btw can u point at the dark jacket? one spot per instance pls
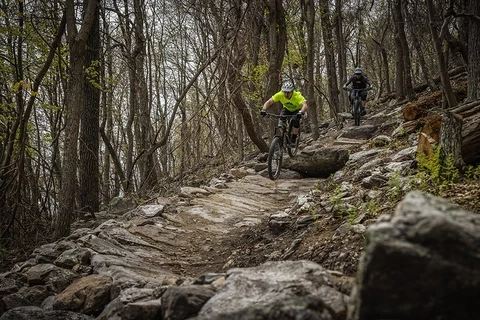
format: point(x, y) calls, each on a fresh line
point(358, 83)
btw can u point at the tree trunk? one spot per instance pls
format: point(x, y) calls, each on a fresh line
point(240, 136)
point(309, 17)
point(106, 126)
point(400, 92)
point(9, 190)
point(473, 91)
point(148, 177)
point(342, 52)
point(385, 68)
point(277, 39)
point(89, 173)
point(184, 142)
point(238, 58)
point(451, 140)
point(406, 52)
point(442, 66)
point(73, 102)
point(132, 106)
point(329, 56)
point(416, 44)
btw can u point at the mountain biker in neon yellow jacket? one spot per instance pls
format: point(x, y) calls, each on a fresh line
point(293, 103)
point(359, 81)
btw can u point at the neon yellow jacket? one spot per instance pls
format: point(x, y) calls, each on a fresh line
point(292, 104)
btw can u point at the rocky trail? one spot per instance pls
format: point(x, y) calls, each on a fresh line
point(192, 233)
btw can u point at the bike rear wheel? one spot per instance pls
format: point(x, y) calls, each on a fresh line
point(275, 158)
point(356, 112)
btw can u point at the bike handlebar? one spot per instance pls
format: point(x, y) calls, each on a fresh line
point(278, 116)
point(361, 89)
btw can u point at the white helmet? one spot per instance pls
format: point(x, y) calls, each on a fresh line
point(358, 70)
point(287, 86)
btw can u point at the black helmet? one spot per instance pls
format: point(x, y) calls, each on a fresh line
point(287, 86)
point(358, 70)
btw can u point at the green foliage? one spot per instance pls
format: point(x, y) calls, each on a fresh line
point(401, 131)
point(397, 187)
point(336, 196)
point(294, 57)
point(472, 173)
point(372, 206)
point(255, 75)
point(449, 172)
point(312, 212)
point(430, 165)
point(352, 213)
point(435, 175)
point(92, 75)
point(341, 208)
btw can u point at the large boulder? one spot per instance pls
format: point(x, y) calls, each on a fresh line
point(420, 263)
point(318, 162)
point(87, 295)
point(277, 290)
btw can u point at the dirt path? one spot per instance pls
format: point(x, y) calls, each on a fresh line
point(190, 239)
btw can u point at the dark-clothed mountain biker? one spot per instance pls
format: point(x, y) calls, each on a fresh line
point(359, 81)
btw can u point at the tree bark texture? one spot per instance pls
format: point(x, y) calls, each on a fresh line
point(235, 85)
point(342, 52)
point(418, 48)
point(400, 92)
point(451, 140)
point(406, 50)
point(89, 173)
point(148, 177)
point(277, 39)
point(329, 57)
point(432, 125)
point(77, 41)
point(473, 92)
point(309, 17)
point(442, 65)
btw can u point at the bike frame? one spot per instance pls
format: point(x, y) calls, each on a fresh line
point(283, 127)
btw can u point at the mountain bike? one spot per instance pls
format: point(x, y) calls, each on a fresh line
point(281, 140)
point(357, 103)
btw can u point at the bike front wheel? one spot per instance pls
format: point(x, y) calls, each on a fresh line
point(356, 112)
point(275, 158)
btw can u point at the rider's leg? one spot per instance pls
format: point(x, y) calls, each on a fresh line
point(295, 124)
point(351, 99)
point(295, 130)
point(281, 120)
point(364, 101)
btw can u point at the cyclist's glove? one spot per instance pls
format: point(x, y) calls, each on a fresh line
point(299, 115)
point(263, 113)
